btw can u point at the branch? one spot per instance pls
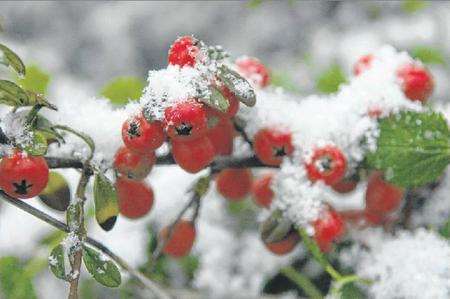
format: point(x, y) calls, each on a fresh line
point(63, 227)
point(158, 251)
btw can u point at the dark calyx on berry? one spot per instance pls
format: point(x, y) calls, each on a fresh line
point(184, 130)
point(134, 130)
point(279, 151)
point(22, 188)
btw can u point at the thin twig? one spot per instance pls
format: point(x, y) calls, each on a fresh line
point(63, 227)
point(158, 251)
point(242, 132)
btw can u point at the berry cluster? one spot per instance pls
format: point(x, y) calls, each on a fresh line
point(196, 131)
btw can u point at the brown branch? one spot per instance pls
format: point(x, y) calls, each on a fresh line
point(144, 281)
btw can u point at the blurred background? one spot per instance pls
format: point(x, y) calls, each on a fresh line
point(310, 47)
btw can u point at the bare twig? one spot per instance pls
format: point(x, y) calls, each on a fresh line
point(239, 128)
point(144, 281)
point(158, 251)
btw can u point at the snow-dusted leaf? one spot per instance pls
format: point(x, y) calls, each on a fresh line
point(413, 148)
point(56, 194)
point(102, 269)
point(9, 58)
point(351, 291)
point(216, 100)
point(106, 202)
point(240, 87)
point(275, 228)
point(56, 262)
point(38, 144)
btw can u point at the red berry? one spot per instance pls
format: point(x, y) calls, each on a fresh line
point(135, 198)
point(327, 164)
point(417, 83)
point(252, 69)
point(284, 246)
point(328, 227)
point(184, 51)
point(133, 165)
point(193, 155)
point(181, 239)
point(186, 120)
point(262, 193)
point(141, 136)
point(271, 145)
point(364, 63)
point(234, 183)
point(222, 136)
point(345, 185)
point(23, 176)
point(381, 196)
point(374, 219)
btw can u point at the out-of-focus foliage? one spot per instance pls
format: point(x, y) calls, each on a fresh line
point(429, 55)
point(412, 6)
point(123, 89)
point(36, 79)
point(329, 80)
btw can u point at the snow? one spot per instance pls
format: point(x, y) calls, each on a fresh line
point(409, 265)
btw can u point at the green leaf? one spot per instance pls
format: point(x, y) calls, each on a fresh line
point(38, 145)
point(106, 202)
point(189, 264)
point(56, 194)
point(102, 269)
point(429, 55)
point(412, 6)
point(330, 79)
point(413, 148)
point(35, 80)
point(14, 281)
point(122, 89)
point(351, 291)
point(275, 228)
point(202, 185)
point(445, 230)
point(216, 100)
point(11, 59)
point(237, 85)
point(52, 239)
point(254, 3)
point(12, 94)
point(283, 80)
point(57, 263)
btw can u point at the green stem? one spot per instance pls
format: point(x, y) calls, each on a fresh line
point(87, 139)
point(302, 281)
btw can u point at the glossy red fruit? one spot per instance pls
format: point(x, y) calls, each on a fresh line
point(417, 83)
point(328, 227)
point(135, 198)
point(181, 239)
point(23, 176)
point(193, 155)
point(234, 183)
point(186, 120)
point(272, 145)
point(381, 196)
point(262, 192)
point(222, 136)
point(184, 51)
point(141, 136)
point(133, 165)
point(364, 63)
point(253, 70)
point(374, 219)
point(327, 164)
point(345, 185)
point(284, 246)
